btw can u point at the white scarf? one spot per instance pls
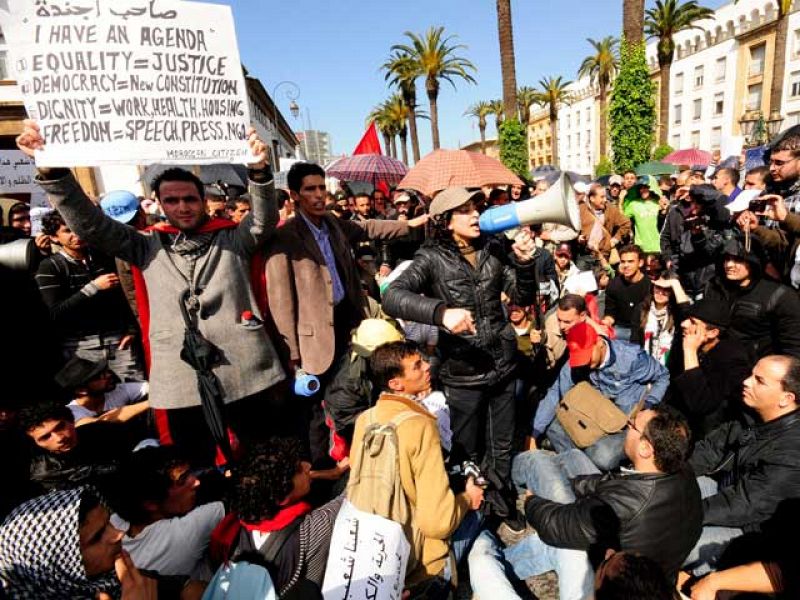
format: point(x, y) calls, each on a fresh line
point(657, 338)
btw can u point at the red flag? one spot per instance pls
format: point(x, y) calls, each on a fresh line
point(369, 143)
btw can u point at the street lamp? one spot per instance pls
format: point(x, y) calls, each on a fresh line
point(757, 130)
point(292, 94)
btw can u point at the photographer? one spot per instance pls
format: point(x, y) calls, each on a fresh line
point(783, 243)
point(704, 225)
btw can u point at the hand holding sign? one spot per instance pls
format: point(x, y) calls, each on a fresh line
point(31, 138)
point(258, 150)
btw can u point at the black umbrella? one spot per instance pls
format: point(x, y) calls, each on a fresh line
point(203, 356)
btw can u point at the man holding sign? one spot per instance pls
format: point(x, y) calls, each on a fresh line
point(198, 265)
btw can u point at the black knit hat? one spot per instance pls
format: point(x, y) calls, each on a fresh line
point(711, 313)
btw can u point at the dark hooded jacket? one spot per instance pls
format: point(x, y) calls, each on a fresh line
point(765, 315)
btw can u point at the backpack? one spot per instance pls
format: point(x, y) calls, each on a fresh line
point(374, 486)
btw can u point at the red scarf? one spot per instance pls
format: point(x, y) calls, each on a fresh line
point(284, 518)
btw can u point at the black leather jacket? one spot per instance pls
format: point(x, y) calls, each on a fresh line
point(659, 516)
point(756, 467)
point(441, 278)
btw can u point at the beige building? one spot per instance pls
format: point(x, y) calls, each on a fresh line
point(492, 148)
point(539, 147)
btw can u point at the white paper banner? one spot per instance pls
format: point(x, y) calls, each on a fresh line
point(368, 557)
point(16, 177)
point(130, 81)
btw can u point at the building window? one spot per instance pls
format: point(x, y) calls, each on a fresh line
point(676, 141)
point(678, 84)
point(566, 122)
point(754, 93)
point(697, 109)
point(578, 141)
point(719, 103)
point(716, 137)
point(3, 65)
point(796, 44)
point(792, 119)
point(722, 64)
point(795, 82)
point(695, 139)
point(577, 120)
point(698, 76)
point(677, 112)
point(588, 115)
point(757, 56)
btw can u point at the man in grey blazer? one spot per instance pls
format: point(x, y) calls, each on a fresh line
point(205, 264)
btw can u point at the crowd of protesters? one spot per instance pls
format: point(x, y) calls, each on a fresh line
point(195, 384)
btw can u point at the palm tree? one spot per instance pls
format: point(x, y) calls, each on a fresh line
point(552, 93)
point(380, 116)
point(437, 59)
point(499, 111)
point(398, 113)
point(663, 21)
point(633, 21)
point(508, 67)
point(402, 71)
point(601, 67)
point(779, 68)
point(526, 96)
point(480, 110)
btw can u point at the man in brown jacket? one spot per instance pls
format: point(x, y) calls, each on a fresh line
point(313, 288)
point(437, 512)
point(603, 226)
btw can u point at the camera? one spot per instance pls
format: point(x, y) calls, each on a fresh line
point(757, 205)
point(695, 222)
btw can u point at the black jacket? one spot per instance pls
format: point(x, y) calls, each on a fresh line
point(349, 393)
point(765, 315)
point(447, 280)
point(711, 394)
point(659, 516)
point(756, 467)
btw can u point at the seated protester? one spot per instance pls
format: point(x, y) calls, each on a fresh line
point(166, 533)
point(618, 370)
point(765, 315)
point(782, 242)
point(746, 472)
point(272, 524)
point(629, 576)
point(16, 452)
point(67, 456)
point(438, 516)
point(62, 546)
point(707, 387)
point(580, 514)
point(625, 292)
point(96, 395)
point(658, 317)
point(764, 562)
point(351, 392)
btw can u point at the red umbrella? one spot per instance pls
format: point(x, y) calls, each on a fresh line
point(690, 156)
point(456, 168)
point(371, 168)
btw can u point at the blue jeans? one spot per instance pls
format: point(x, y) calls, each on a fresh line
point(606, 453)
point(623, 333)
point(490, 566)
point(713, 540)
point(548, 475)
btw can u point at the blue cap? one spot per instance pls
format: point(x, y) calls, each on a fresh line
point(120, 205)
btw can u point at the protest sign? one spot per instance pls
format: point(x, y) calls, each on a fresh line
point(130, 81)
point(368, 557)
point(16, 177)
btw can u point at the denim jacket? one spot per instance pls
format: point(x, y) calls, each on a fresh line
point(623, 377)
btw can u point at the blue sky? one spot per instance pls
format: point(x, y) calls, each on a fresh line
point(333, 50)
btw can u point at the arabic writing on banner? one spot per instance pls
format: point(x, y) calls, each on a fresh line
point(16, 177)
point(130, 81)
point(368, 557)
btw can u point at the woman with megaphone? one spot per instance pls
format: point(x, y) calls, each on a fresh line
point(455, 282)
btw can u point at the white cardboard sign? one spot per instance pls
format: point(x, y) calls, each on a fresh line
point(368, 557)
point(17, 173)
point(130, 81)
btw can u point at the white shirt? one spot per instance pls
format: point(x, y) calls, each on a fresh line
point(122, 395)
point(175, 546)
